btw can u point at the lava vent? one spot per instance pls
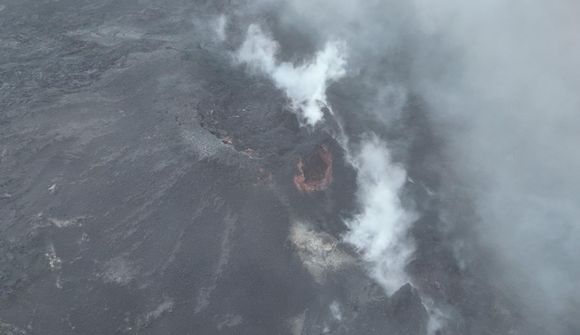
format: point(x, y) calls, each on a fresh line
point(315, 171)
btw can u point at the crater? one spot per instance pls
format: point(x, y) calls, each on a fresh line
point(314, 171)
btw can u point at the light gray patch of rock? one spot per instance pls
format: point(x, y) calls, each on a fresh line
point(205, 292)
point(119, 271)
point(230, 321)
point(8, 329)
point(166, 306)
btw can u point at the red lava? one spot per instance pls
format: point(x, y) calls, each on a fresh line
point(314, 172)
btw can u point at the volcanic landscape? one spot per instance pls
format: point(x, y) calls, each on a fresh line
point(222, 167)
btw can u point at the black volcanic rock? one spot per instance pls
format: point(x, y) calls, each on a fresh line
point(402, 313)
point(147, 186)
point(407, 312)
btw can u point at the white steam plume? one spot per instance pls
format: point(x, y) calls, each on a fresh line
point(380, 231)
point(512, 98)
point(304, 84)
point(501, 81)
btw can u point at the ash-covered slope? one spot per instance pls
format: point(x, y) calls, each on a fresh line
point(153, 181)
point(147, 183)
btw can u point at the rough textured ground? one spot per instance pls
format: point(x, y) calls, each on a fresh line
point(147, 186)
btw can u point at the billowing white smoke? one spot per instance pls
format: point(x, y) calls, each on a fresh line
point(380, 231)
point(304, 84)
point(501, 81)
point(514, 91)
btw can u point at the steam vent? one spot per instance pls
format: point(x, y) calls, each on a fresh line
point(314, 171)
point(289, 167)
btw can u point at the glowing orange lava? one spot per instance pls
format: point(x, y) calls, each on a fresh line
point(314, 172)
